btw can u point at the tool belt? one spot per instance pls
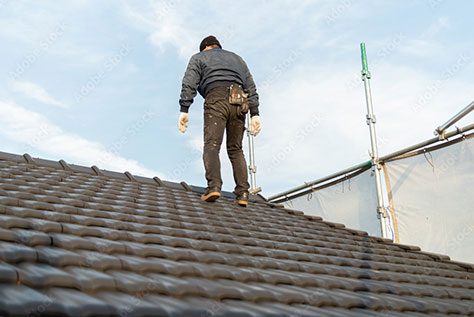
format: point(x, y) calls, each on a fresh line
point(238, 98)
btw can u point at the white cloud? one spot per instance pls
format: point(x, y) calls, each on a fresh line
point(181, 26)
point(36, 92)
point(35, 131)
point(419, 47)
point(166, 26)
point(441, 24)
point(426, 43)
point(196, 143)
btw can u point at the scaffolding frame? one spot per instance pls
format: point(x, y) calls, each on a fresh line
point(295, 192)
point(376, 162)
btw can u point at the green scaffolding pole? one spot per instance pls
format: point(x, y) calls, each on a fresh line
point(381, 212)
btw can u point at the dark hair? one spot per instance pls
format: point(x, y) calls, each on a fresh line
point(208, 41)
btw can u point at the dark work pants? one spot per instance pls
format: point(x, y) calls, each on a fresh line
point(220, 115)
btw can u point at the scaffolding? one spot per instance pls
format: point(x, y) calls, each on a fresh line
point(349, 172)
point(381, 212)
point(376, 162)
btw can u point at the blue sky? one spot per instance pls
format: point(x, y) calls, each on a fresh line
point(98, 82)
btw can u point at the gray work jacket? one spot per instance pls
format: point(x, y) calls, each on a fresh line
point(213, 68)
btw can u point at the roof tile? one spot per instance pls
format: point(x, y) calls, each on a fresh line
point(132, 305)
point(8, 274)
point(75, 303)
point(15, 252)
point(91, 280)
point(19, 300)
point(79, 242)
point(40, 275)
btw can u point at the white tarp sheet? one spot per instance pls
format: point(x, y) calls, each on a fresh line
point(352, 203)
point(433, 199)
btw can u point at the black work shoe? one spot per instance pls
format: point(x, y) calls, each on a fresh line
point(211, 194)
point(242, 199)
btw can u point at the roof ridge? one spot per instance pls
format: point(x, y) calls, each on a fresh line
point(94, 170)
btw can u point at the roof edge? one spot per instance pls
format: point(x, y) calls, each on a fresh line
point(127, 176)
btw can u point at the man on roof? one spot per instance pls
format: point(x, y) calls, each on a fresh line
point(223, 79)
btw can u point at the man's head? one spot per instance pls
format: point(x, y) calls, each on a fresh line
point(209, 42)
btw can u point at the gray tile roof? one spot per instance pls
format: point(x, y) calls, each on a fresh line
point(80, 241)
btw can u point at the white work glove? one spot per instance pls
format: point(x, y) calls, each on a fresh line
point(183, 121)
point(255, 125)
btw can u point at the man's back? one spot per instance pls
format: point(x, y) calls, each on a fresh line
point(215, 68)
point(221, 65)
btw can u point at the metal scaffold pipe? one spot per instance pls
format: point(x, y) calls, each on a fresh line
point(426, 143)
point(319, 181)
point(385, 158)
point(381, 213)
point(442, 128)
point(252, 168)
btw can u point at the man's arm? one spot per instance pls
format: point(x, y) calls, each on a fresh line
point(191, 80)
point(249, 84)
